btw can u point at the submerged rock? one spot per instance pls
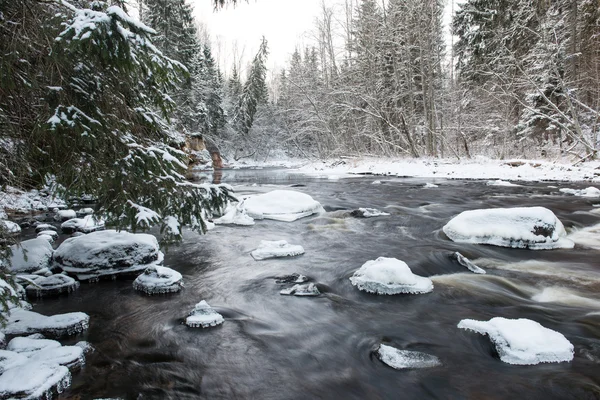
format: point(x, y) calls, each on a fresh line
point(535, 228)
point(465, 262)
point(277, 248)
point(281, 205)
point(368, 213)
point(24, 322)
point(52, 285)
point(404, 359)
point(158, 280)
point(389, 276)
point(522, 341)
point(203, 316)
point(293, 278)
point(30, 256)
point(309, 289)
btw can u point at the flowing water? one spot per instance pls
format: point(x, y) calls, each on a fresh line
point(285, 347)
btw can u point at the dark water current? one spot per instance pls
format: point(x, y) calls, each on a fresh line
point(285, 347)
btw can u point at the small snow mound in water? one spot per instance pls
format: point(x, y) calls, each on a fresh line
point(309, 289)
point(24, 322)
point(87, 224)
point(51, 233)
point(281, 205)
point(368, 213)
point(389, 276)
point(376, 183)
point(10, 227)
point(203, 316)
point(235, 215)
point(404, 359)
point(587, 192)
point(429, 185)
point(52, 285)
point(63, 215)
point(277, 248)
point(500, 182)
point(158, 280)
point(535, 228)
point(42, 381)
point(44, 227)
point(465, 262)
point(522, 341)
point(32, 256)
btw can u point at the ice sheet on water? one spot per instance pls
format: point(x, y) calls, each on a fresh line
point(276, 248)
point(465, 262)
point(158, 280)
point(52, 285)
point(308, 289)
point(404, 359)
point(535, 228)
point(31, 255)
point(235, 215)
point(24, 322)
point(389, 276)
point(281, 205)
point(522, 341)
point(34, 381)
point(203, 316)
point(587, 192)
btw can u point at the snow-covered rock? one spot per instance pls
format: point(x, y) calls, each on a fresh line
point(10, 359)
point(587, 192)
point(404, 359)
point(203, 316)
point(465, 262)
point(52, 285)
point(389, 276)
point(276, 248)
point(49, 238)
point(27, 345)
point(308, 289)
point(522, 341)
point(158, 280)
point(376, 183)
point(87, 224)
point(109, 252)
point(44, 227)
point(500, 182)
point(12, 228)
point(368, 213)
point(24, 322)
point(293, 278)
point(430, 185)
point(30, 256)
point(84, 211)
point(63, 215)
point(69, 356)
point(235, 215)
point(535, 228)
point(281, 205)
point(52, 234)
point(42, 381)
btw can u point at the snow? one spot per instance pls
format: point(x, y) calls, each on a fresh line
point(69, 356)
point(277, 248)
point(87, 224)
point(203, 316)
point(49, 238)
point(404, 359)
point(465, 262)
point(30, 345)
point(85, 211)
point(500, 182)
point(63, 215)
point(145, 217)
point(44, 227)
point(587, 192)
point(376, 183)
point(158, 280)
point(368, 213)
point(52, 285)
point(10, 227)
point(535, 228)
point(293, 278)
point(281, 205)
point(389, 276)
point(42, 380)
point(17, 200)
point(522, 341)
point(107, 252)
point(309, 289)
point(52, 234)
point(24, 322)
point(430, 185)
point(31, 255)
point(10, 359)
point(235, 215)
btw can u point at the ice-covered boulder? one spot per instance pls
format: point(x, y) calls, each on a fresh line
point(44, 227)
point(308, 289)
point(53, 234)
point(281, 205)
point(24, 322)
point(276, 248)
point(52, 285)
point(465, 262)
point(535, 228)
point(587, 192)
point(405, 359)
point(235, 215)
point(87, 224)
point(12, 228)
point(63, 215)
point(30, 256)
point(109, 252)
point(203, 316)
point(522, 341)
point(368, 213)
point(158, 280)
point(389, 276)
point(34, 381)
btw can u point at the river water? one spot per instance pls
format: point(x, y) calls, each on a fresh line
point(285, 347)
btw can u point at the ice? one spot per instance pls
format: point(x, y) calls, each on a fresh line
point(34, 381)
point(293, 278)
point(107, 252)
point(31, 256)
point(277, 248)
point(535, 228)
point(465, 262)
point(281, 205)
point(430, 185)
point(368, 213)
point(27, 345)
point(522, 341)
point(63, 215)
point(500, 182)
point(587, 192)
point(52, 285)
point(309, 289)
point(87, 224)
point(53, 234)
point(10, 227)
point(235, 215)
point(404, 359)
point(10, 359)
point(389, 276)
point(24, 322)
point(158, 280)
point(203, 316)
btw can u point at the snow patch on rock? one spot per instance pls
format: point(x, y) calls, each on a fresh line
point(158, 280)
point(31, 256)
point(389, 276)
point(52, 285)
point(281, 205)
point(24, 322)
point(587, 192)
point(87, 224)
point(308, 289)
point(404, 359)
point(276, 248)
point(203, 316)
